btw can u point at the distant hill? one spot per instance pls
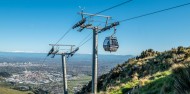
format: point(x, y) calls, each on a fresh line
point(151, 72)
point(39, 57)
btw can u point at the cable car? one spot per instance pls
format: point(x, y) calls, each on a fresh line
point(110, 44)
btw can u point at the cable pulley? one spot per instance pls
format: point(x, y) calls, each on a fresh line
point(50, 52)
point(80, 23)
point(55, 52)
point(83, 27)
point(73, 52)
point(109, 27)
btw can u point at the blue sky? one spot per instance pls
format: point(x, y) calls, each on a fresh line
point(30, 25)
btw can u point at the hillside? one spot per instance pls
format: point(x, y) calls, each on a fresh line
point(4, 90)
point(151, 72)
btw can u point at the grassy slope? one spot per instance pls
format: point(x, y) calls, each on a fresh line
point(78, 82)
point(149, 73)
point(4, 90)
point(152, 83)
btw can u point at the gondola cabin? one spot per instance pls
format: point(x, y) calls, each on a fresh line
point(110, 44)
